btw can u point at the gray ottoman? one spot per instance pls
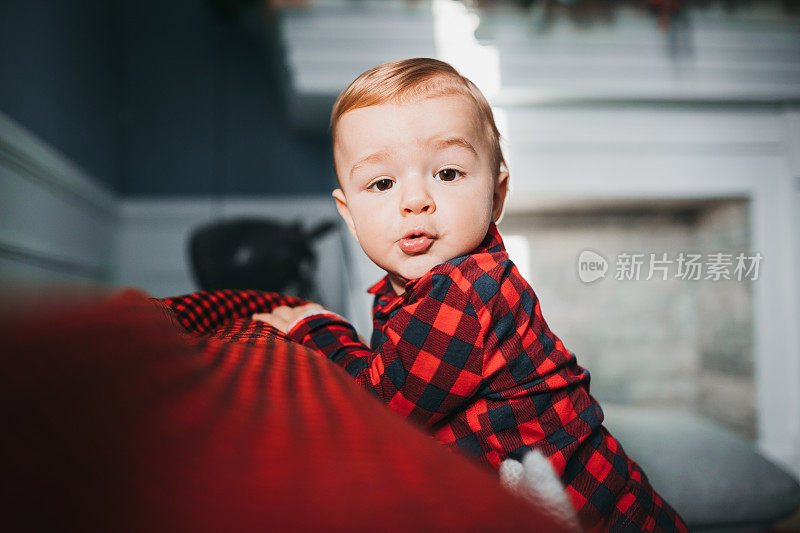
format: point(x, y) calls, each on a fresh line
point(716, 480)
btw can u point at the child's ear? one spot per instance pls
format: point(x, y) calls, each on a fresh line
point(500, 194)
point(344, 211)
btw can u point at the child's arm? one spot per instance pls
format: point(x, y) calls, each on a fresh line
point(430, 362)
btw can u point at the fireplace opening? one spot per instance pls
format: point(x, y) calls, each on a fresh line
point(666, 333)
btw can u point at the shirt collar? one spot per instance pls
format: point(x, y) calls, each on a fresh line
point(382, 287)
point(491, 243)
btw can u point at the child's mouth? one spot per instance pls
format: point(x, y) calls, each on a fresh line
point(415, 243)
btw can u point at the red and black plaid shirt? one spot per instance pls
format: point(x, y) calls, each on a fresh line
point(466, 352)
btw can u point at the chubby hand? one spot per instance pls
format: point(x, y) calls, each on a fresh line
point(283, 316)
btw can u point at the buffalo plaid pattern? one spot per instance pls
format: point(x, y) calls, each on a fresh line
point(465, 352)
point(225, 314)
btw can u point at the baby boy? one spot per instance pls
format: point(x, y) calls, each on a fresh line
point(459, 342)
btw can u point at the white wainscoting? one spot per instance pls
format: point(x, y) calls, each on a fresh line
point(56, 223)
point(154, 236)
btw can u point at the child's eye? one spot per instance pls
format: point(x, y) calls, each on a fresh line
point(448, 174)
point(383, 184)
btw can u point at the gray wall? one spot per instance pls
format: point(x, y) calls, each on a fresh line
point(59, 77)
point(158, 98)
point(202, 106)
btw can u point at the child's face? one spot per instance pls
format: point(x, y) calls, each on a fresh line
point(417, 183)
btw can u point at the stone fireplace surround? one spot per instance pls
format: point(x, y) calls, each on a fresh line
point(665, 342)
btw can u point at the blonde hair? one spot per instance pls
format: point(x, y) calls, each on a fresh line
point(407, 80)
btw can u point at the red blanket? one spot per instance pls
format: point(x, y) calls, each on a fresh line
point(125, 414)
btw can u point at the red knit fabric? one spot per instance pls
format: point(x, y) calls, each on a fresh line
point(117, 417)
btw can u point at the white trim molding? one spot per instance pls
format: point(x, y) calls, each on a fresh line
point(56, 222)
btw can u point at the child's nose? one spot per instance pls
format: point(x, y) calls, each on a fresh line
point(417, 200)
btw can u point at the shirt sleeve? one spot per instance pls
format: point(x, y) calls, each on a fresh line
point(429, 361)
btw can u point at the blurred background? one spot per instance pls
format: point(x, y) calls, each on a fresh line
point(638, 127)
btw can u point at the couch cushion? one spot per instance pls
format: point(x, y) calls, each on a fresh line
point(714, 479)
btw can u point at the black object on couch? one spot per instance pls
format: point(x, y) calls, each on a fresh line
point(255, 253)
